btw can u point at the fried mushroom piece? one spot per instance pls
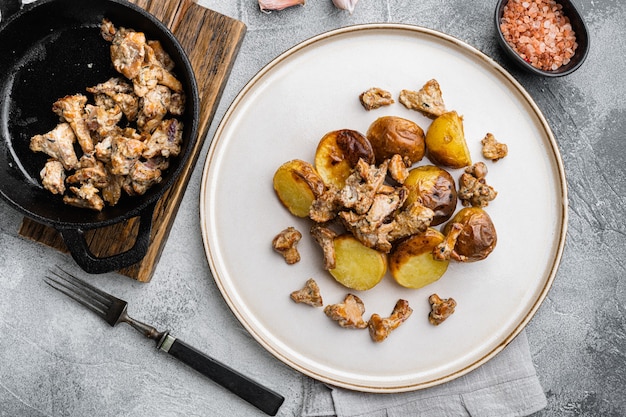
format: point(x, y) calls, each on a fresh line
point(102, 120)
point(309, 294)
point(127, 48)
point(445, 250)
point(473, 188)
point(89, 170)
point(120, 92)
point(85, 197)
point(492, 149)
point(143, 175)
point(428, 100)
point(398, 169)
point(375, 98)
point(286, 243)
point(57, 144)
point(440, 309)
point(53, 177)
point(380, 328)
point(71, 109)
point(124, 153)
point(325, 238)
point(348, 314)
point(165, 140)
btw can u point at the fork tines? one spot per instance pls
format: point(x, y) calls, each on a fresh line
point(89, 296)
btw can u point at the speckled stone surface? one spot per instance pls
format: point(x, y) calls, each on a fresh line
point(58, 360)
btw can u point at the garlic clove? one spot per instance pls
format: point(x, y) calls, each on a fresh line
point(345, 4)
point(271, 5)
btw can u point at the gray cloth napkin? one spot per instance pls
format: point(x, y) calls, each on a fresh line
point(507, 385)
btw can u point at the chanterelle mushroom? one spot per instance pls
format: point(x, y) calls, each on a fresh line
point(428, 100)
point(492, 149)
point(309, 294)
point(374, 98)
point(441, 309)
point(324, 237)
point(285, 243)
point(473, 188)
point(348, 314)
point(380, 328)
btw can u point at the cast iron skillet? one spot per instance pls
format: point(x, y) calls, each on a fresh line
point(52, 48)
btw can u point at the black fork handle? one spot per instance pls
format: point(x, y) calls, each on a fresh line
point(259, 396)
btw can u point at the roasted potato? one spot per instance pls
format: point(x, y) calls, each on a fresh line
point(390, 135)
point(477, 238)
point(338, 152)
point(445, 142)
point(357, 266)
point(411, 263)
point(297, 185)
point(432, 187)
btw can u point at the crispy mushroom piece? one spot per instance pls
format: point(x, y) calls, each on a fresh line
point(428, 100)
point(53, 177)
point(380, 328)
point(309, 294)
point(325, 238)
point(348, 314)
point(398, 168)
point(440, 308)
point(492, 149)
point(473, 188)
point(71, 109)
point(286, 243)
point(444, 250)
point(374, 98)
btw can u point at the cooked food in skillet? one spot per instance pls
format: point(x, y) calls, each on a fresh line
point(118, 139)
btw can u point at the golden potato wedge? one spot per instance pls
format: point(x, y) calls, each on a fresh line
point(390, 135)
point(411, 263)
point(297, 185)
point(432, 187)
point(357, 266)
point(338, 152)
point(445, 142)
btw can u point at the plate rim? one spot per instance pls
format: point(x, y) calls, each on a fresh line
point(556, 156)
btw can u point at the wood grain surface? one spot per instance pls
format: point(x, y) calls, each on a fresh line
point(212, 42)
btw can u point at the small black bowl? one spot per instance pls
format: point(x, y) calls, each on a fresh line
point(582, 38)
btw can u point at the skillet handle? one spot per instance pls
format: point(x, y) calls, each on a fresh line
point(75, 241)
point(8, 8)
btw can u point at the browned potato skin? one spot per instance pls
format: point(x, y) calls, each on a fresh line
point(390, 135)
point(297, 185)
point(337, 154)
point(434, 188)
point(478, 237)
point(445, 142)
point(412, 249)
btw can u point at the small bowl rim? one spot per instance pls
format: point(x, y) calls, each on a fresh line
point(579, 56)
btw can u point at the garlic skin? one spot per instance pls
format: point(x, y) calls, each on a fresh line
point(271, 5)
point(345, 4)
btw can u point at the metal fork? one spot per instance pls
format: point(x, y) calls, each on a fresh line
point(113, 311)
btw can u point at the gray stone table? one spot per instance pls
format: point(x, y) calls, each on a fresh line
point(68, 363)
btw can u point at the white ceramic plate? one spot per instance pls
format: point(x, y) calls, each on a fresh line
point(281, 115)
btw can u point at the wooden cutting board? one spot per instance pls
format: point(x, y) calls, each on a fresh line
point(212, 42)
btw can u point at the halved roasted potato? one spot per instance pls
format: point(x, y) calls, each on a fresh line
point(412, 264)
point(445, 142)
point(338, 152)
point(297, 185)
point(357, 266)
point(432, 187)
